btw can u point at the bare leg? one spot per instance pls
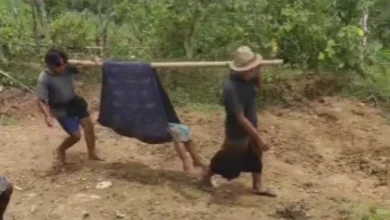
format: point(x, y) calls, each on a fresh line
point(256, 182)
point(90, 139)
point(183, 155)
point(206, 182)
point(257, 186)
point(5, 197)
point(196, 158)
point(66, 144)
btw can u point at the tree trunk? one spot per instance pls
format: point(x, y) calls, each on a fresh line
point(104, 42)
point(189, 34)
point(35, 28)
point(40, 4)
point(98, 35)
point(15, 11)
point(365, 35)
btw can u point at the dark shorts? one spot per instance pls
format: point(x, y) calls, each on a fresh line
point(70, 124)
point(76, 110)
point(235, 157)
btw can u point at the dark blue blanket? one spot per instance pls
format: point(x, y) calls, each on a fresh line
point(134, 103)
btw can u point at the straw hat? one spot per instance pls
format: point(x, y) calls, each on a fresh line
point(245, 59)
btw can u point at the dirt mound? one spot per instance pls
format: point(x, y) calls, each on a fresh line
point(325, 160)
point(16, 103)
point(343, 135)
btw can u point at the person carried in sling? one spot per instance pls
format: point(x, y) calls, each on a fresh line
point(185, 148)
point(58, 100)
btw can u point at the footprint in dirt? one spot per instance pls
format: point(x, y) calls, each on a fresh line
point(291, 213)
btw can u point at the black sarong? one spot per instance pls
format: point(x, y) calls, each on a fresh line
point(235, 157)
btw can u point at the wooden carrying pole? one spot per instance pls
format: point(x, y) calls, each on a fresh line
point(177, 64)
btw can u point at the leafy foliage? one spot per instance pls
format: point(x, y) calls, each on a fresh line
point(307, 34)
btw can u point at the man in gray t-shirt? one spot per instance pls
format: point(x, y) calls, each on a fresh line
point(58, 100)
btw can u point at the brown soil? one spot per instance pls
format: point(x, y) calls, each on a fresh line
point(327, 160)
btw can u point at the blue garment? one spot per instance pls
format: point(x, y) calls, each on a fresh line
point(134, 103)
point(75, 110)
point(69, 124)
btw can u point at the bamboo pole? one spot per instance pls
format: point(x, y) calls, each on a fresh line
point(15, 80)
point(177, 64)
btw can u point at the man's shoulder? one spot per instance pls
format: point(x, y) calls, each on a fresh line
point(228, 85)
point(43, 76)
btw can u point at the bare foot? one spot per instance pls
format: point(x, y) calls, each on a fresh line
point(61, 156)
point(265, 193)
point(188, 168)
point(94, 156)
point(207, 184)
point(200, 164)
point(56, 168)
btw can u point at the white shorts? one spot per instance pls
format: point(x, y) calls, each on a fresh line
point(180, 133)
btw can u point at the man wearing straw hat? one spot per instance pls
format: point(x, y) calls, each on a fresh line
point(243, 147)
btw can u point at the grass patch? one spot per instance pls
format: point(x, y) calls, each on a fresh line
point(364, 212)
point(7, 120)
point(377, 214)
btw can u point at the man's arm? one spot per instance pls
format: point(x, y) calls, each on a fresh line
point(45, 109)
point(249, 128)
point(232, 102)
point(259, 79)
point(43, 99)
point(71, 69)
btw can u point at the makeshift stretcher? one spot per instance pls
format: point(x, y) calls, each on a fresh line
point(134, 103)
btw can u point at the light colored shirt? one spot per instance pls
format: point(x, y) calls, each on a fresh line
point(55, 89)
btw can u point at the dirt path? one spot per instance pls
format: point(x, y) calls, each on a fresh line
point(326, 161)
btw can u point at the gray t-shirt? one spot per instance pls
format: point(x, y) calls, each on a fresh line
point(55, 89)
point(239, 96)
